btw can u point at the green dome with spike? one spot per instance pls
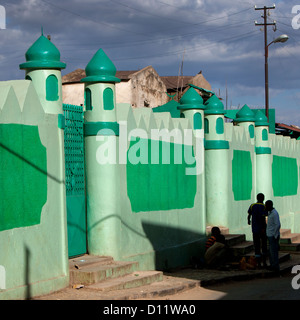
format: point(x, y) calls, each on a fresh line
point(245, 115)
point(191, 100)
point(261, 119)
point(42, 54)
point(214, 105)
point(100, 69)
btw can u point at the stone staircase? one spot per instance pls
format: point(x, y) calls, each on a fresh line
point(240, 247)
point(103, 274)
point(289, 242)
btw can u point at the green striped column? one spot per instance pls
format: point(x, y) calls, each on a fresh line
point(216, 163)
point(263, 156)
point(192, 108)
point(101, 140)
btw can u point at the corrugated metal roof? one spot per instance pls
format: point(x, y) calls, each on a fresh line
point(285, 126)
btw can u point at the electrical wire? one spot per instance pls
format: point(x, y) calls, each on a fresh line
point(93, 20)
point(145, 42)
point(196, 48)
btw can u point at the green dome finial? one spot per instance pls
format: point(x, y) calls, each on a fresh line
point(245, 115)
point(191, 100)
point(43, 54)
point(261, 119)
point(214, 105)
point(100, 69)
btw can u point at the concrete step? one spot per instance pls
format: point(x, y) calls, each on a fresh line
point(291, 238)
point(292, 247)
point(223, 230)
point(88, 260)
point(92, 269)
point(284, 233)
point(242, 248)
point(133, 280)
point(233, 239)
point(282, 256)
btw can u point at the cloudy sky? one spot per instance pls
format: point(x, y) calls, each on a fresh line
point(217, 37)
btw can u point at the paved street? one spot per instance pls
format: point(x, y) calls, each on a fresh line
point(255, 289)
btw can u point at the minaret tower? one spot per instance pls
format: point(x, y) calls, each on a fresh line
point(191, 107)
point(43, 68)
point(216, 163)
point(246, 118)
point(101, 134)
point(263, 156)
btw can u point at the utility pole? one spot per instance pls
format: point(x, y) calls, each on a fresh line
point(265, 25)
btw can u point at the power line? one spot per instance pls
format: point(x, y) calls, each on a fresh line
point(93, 20)
point(173, 38)
point(201, 47)
point(176, 20)
point(171, 53)
point(149, 13)
point(139, 33)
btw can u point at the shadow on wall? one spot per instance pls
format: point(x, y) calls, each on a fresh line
point(34, 166)
point(28, 294)
point(174, 247)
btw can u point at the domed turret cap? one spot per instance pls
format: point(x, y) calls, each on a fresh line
point(214, 105)
point(42, 54)
point(261, 119)
point(191, 100)
point(245, 115)
point(100, 69)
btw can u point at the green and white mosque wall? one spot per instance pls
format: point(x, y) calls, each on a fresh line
point(33, 239)
point(153, 183)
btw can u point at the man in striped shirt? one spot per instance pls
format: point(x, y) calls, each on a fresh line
point(216, 250)
point(216, 236)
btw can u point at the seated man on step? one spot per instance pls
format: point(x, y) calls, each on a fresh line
point(216, 250)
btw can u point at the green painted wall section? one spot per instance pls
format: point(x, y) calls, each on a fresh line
point(251, 131)
point(23, 175)
point(220, 126)
point(88, 99)
point(33, 234)
point(206, 126)
point(265, 135)
point(241, 175)
point(284, 176)
point(108, 99)
point(170, 107)
point(197, 121)
point(159, 186)
point(52, 88)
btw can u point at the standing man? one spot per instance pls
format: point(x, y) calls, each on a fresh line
point(273, 234)
point(257, 218)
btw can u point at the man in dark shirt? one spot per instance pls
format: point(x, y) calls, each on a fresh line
point(257, 218)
